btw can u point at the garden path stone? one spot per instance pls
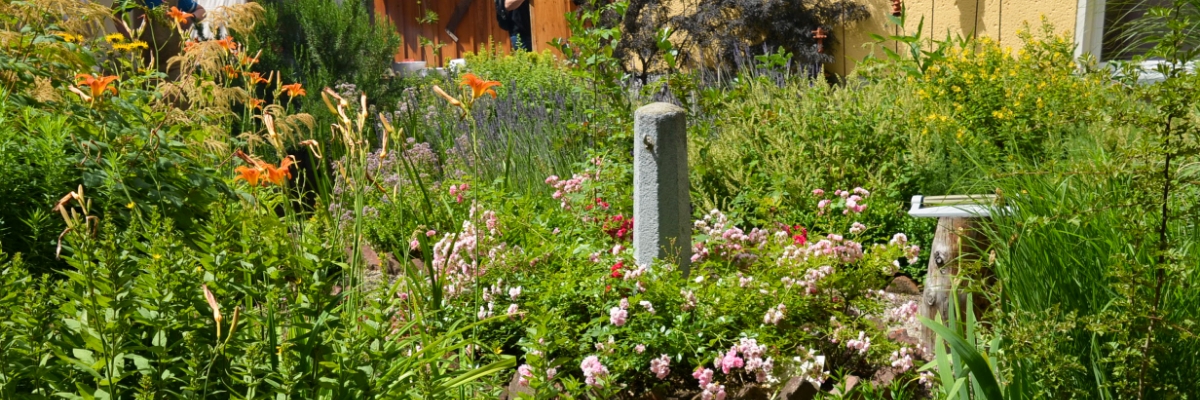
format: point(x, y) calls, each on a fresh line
point(903, 285)
point(850, 382)
point(661, 198)
point(798, 388)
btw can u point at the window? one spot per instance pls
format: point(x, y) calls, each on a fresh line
point(1104, 28)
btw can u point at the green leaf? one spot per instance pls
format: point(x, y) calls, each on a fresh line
point(978, 367)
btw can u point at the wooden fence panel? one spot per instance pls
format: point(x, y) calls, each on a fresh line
point(474, 32)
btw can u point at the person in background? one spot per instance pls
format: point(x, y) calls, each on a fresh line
point(522, 32)
point(164, 39)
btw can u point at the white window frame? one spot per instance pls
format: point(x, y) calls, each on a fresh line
point(1089, 38)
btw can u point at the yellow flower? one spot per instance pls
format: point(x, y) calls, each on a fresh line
point(67, 37)
point(136, 44)
point(114, 38)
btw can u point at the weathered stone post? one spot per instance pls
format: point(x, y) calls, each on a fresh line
point(662, 226)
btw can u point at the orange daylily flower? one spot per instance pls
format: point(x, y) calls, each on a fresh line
point(256, 78)
point(479, 87)
point(180, 17)
point(256, 103)
point(98, 85)
point(294, 90)
point(251, 175)
point(228, 43)
point(247, 60)
point(261, 173)
point(187, 47)
point(231, 72)
point(278, 175)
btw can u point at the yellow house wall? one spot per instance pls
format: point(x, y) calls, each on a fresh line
point(998, 19)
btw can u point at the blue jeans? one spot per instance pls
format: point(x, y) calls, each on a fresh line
point(521, 40)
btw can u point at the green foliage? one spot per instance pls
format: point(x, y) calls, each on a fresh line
point(323, 43)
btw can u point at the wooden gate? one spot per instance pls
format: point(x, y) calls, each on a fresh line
point(475, 31)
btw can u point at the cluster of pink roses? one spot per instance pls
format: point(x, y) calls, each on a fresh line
point(811, 279)
point(902, 359)
point(459, 191)
point(710, 390)
point(838, 247)
point(563, 187)
point(724, 239)
point(861, 344)
point(594, 372)
point(775, 314)
point(912, 253)
point(456, 259)
point(494, 292)
point(618, 315)
point(747, 354)
point(661, 366)
point(903, 313)
point(853, 200)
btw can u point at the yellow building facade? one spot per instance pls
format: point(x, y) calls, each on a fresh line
point(997, 19)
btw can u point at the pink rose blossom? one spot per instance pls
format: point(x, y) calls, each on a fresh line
point(704, 375)
point(729, 361)
point(617, 316)
point(640, 348)
point(514, 293)
point(661, 366)
point(593, 371)
point(861, 344)
point(524, 372)
point(857, 228)
point(818, 192)
point(774, 315)
point(512, 310)
point(902, 360)
point(649, 307)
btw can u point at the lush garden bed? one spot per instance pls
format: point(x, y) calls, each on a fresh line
point(274, 224)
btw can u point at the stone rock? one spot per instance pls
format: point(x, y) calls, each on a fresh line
point(753, 392)
point(514, 389)
point(393, 265)
point(902, 336)
point(849, 383)
point(370, 257)
point(903, 285)
point(798, 389)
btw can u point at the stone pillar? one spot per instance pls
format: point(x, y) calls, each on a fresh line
point(662, 225)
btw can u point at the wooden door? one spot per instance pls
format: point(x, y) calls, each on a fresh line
point(549, 22)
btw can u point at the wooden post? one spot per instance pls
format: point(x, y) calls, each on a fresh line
point(952, 243)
